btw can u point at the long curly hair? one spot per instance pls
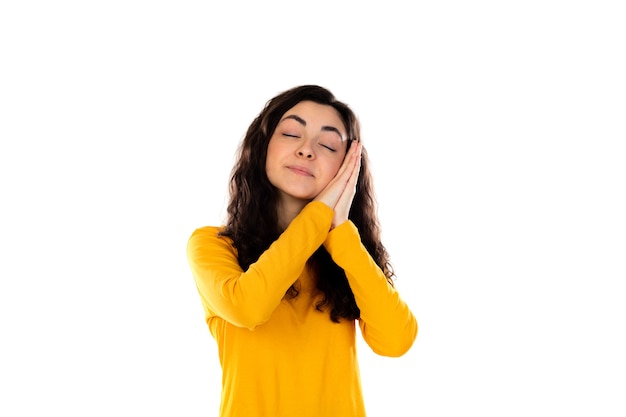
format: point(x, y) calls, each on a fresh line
point(252, 220)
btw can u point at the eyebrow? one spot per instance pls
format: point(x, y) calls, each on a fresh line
point(303, 123)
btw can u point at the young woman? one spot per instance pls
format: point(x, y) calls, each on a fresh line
point(298, 263)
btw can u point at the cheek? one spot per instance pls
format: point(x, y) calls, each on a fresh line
point(333, 168)
point(270, 156)
point(336, 167)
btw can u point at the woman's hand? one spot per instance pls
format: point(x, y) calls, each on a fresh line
point(340, 191)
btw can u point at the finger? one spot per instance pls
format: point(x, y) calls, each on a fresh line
point(348, 160)
point(345, 170)
point(356, 167)
point(337, 186)
point(344, 202)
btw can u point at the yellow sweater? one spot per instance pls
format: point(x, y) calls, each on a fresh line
point(280, 356)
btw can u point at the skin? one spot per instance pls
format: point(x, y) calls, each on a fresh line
point(307, 160)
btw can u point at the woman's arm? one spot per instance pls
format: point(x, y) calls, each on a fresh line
point(248, 298)
point(387, 324)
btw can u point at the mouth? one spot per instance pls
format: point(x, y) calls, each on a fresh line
point(300, 170)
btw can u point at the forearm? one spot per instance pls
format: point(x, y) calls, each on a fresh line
point(387, 323)
point(248, 298)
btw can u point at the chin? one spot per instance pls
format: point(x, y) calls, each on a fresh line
point(304, 197)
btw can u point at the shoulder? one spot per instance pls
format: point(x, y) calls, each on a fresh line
point(208, 237)
point(207, 232)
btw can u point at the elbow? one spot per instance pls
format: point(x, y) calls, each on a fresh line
point(411, 335)
point(400, 345)
point(395, 350)
point(248, 319)
point(241, 309)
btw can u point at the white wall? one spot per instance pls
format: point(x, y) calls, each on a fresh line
point(495, 131)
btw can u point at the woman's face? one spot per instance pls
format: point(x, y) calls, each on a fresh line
point(306, 150)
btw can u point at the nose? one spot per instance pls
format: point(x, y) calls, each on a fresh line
point(306, 150)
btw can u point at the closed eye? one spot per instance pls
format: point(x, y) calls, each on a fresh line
point(290, 135)
point(328, 147)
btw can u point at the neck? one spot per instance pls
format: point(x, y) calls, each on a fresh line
point(288, 208)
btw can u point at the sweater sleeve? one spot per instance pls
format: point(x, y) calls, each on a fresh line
point(387, 324)
point(248, 298)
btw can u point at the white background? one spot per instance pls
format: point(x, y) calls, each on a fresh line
point(495, 132)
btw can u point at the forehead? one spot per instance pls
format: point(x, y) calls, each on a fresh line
point(316, 114)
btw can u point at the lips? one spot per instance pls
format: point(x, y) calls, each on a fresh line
point(300, 170)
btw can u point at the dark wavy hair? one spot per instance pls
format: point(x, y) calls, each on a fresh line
point(252, 220)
